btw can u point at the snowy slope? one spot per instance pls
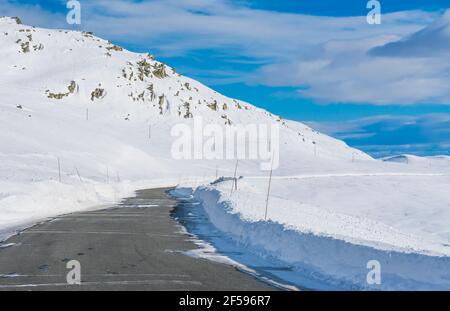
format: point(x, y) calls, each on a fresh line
point(64, 73)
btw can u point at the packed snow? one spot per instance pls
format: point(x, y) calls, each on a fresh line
point(85, 123)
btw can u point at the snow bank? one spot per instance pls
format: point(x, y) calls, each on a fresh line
point(22, 205)
point(323, 259)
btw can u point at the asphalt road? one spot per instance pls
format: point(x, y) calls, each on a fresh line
point(133, 246)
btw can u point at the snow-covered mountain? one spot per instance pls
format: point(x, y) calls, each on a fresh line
point(66, 74)
point(105, 114)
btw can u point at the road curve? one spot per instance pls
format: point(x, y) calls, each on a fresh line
point(135, 245)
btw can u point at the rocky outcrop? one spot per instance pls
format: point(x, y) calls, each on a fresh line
point(160, 71)
point(72, 88)
point(98, 93)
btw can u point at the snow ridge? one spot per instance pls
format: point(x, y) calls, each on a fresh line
point(319, 261)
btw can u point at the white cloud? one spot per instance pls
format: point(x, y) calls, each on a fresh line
point(32, 14)
point(179, 26)
point(375, 69)
point(433, 40)
point(326, 55)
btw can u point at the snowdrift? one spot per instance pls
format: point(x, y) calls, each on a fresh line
point(323, 261)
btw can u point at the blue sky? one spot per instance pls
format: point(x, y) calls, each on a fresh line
point(382, 88)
